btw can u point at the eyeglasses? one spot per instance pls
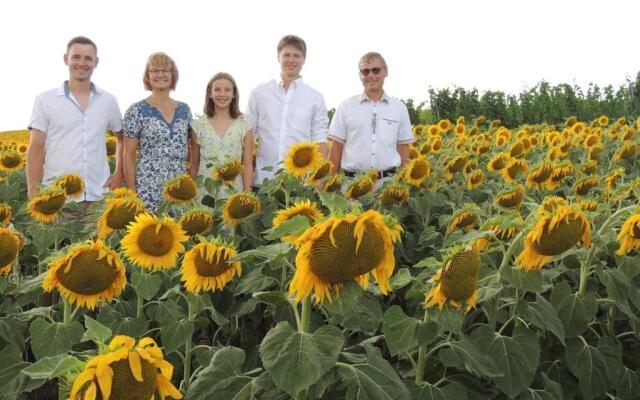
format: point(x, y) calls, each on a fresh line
point(374, 70)
point(156, 71)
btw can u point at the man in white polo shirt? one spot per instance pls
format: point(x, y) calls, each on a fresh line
point(286, 111)
point(68, 128)
point(370, 130)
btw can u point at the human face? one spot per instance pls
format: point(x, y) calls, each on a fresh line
point(291, 61)
point(81, 60)
point(373, 82)
point(222, 93)
point(160, 77)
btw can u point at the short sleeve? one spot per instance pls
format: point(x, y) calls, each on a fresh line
point(405, 133)
point(252, 111)
point(115, 121)
point(132, 123)
point(39, 118)
point(338, 128)
point(319, 121)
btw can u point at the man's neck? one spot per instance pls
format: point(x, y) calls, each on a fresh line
point(79, 87)
point(286, 81)
point(375, 96)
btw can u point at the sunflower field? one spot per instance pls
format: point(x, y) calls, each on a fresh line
point(498, 264)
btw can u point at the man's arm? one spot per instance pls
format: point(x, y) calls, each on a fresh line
point(403, 150)
point(129, 161)
point(320, 125)
point(335, 155)
point(115, 180)
point(35, 161)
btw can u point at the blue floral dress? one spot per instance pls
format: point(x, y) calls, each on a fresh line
point(162, 148)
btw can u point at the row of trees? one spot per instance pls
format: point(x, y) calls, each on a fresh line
point(542, 103)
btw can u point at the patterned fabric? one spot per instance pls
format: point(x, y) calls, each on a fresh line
point(162, 148)
point(216, 151)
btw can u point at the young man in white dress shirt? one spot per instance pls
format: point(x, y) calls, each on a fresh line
point(371, 130)
point(69, 125)
point(286, 111)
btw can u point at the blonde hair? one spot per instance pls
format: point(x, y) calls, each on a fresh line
point(372, 55)
point(160, 59)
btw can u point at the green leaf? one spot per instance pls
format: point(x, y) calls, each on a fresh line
point(552, 391)
point(12, 331)
point(399, 329)
point(146, 284)
point(427, 332)
point(542, 315)
point(12, 382)
point(53, 367)
point(267, 253)
point(449, 318)
point(589, 366)
point(516, 357)
point(50, 339)
point(175, 335)
point(223, 378)
point(629, 386)
point(278, 305)
point(243, 306)
point(372, 379)
point(401, 278)
point(121, 325)
point(618, 289)
point(612, 354)
point(356, 309)
point(96, 332)
point(528, 281)
point(293, 226)
point(254, 282)
point(475, 359)
point(453, 391)
point(296, 360)
point(334, 202)
point(3, 284)
point(574, 311)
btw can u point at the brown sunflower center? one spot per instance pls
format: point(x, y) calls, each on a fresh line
point(585, 186)
point(342, 263)
point(511, 199)
point(8, 249)
point(215, 267)
point(5, 214)
point(155, 243)
point(634, 233)
point(230, 172)
point(196, 225)
point(394, 196)
point(124, 385)
point(51, 205)
point(419, 170)
point(322, 171)
point(87, 275)
point(184, 189)
point(120, 216)
point(303, 157)
point(11, 160)
point(239, 209)
point(542, 174)
point(457, 164)
point(467, 219)
point(72, 185)
point(560, 239)
point(499, 163)
point(459, 277)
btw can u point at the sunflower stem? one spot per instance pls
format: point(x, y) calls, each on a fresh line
point(507, 255)
point(585, 268)
point(305, 320)
point(422, 356)
point(139, 304)
point(66, 314)
point(186, 376)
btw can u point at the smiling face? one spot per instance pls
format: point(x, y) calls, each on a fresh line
point(160, 77)
point(81, 60)
point(291, 60)
point(372, 82)
point(222, 93)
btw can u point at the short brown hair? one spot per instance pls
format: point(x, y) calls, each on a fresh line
point(372, 55)
point(160, 59)
point(294, 41)
point(81, 40)
point(210, 107)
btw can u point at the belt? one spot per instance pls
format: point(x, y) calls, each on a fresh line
point(381, 174)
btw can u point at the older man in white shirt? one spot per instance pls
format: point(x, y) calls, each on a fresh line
point(371, 131)
point(69, 125)
point(286, 111)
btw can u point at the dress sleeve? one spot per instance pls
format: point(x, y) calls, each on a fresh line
point(132, 123)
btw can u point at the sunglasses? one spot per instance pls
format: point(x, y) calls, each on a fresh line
point(366, 71)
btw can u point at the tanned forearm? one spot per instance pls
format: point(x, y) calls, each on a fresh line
point(403, 150)
point(35, 162)
point(129, 162)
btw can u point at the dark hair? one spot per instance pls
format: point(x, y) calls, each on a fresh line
point(294, 41)
point(81, 40)
point(160, 59)
point(210, 107)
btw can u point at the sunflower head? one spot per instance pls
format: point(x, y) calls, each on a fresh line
point(413, 151)
point(11, 161)
point(504, 227)
point(465, 219)
point(334, 183)
point(417, 171)
point(153, 243)
point(342, 249)
point(589, 168)
point(321, 171)
point(457, 280)
point(228, 172)
point(304, 208)
point(118, 213)
point(197, 221)
point(302, 158)
point(45, 206)
point(588, 205)
point(205, 266)
point(11, 243)
point(123, 192)
point(550, 204)
point(456, 164)
point(394, 193)
point(72, 184)
point(539, 177)
point(511, 199)
point(629, 236)
point(436, 143)
point(603, 120)
point(612, 179)
point(360, 186)
point(626, 152)
point(181, 189)
point(444, 125)
point(111, 145)
point(585, 185)
point(570, 121)
point(5, 214)
point(89, 272)
point(475, 179)
point(239, 206)
point(499, 162)
point(126, 371)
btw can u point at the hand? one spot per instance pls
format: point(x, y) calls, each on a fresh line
point(113, 182)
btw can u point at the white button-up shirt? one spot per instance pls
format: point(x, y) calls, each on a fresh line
point(281, 119)
point(370, 132)
point(75, 141)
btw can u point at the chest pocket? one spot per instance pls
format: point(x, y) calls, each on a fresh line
point(388, 130)
point(300, 119)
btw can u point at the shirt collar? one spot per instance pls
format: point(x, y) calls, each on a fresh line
point(364, 97)
point(295, 83)
point(63, 90)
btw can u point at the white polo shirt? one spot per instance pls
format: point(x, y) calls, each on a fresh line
point(281, 119)
point(75, 141)
point(370, 131)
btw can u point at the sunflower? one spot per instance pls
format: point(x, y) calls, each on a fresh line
point(205, 266)
point(588, 205)
point(303, 158)
point(517, 149)
point(320, 172)
point(592, 140)
point(112, 145)
point(629, 236)
point(239, 206)
point(45, 206)
point(433, 130)
point(126, 372)
point(456, 164)
point(118, 213)
point(511, 199)
point(10, 245)
point(483, 148)
point(471, 166)
point(394, 193)
point(540, 176)
point(228, 172)
point(475, 179)
point(153, 244)
point(334, 183)
point(361, 186)
point(444, 125)
point(413, 151)
point(577, 127)
point(89, 272)
point(570, 121)
point(603, 120)
point(629, 134)
point(304, 208)
point(72, 184)
point(504, 227)
point(197, 221)
point(417, 171)
point(554, 233)
point(585, 185)
point(342, 249)
point(122, 192)
point(436, 144)
point(5, 214)
point(460, 129)
point(589, 167)
point(550, 204)
point(11, 161)
point(612, 179)
point(465, 219)
point(181, 189)
point(499, 162)
point(457, 280)
point(560, 172)
point(627, 151)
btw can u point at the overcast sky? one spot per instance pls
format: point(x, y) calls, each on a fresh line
point(501, 45)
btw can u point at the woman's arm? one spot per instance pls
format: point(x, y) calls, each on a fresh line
point(129, 161)
point(247, 161)
point(194, 154)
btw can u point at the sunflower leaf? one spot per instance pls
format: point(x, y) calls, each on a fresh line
point(11, 330)
point(528, 281)
point(334, 202)
point(574, 311)
point(53, 367)
point(356, 309)
point(629, 385)
point(293, 226)
point(542, 315)
point(51, 339)
point(612, 354)
point(453, 391)
point(12, 382)
point(96, 332)
point(551, 391)
point(589, 366)
point(475, 359)
point(401, 278)
point(399, 329)
point(254, 281)
point(175, 334)
point(449, 319)
point(146, 284)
